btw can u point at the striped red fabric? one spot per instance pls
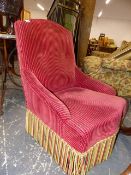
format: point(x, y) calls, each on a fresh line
point(94, 114)
point(79, 109)
point(54, 69)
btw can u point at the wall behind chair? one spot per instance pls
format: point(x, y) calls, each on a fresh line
point(38, 14)
point(118, 29)
point(115, 21)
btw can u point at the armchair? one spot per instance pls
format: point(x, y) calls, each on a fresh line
point(115, 69)
point(74, 117)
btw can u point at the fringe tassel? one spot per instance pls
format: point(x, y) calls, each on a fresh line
point(70, 160)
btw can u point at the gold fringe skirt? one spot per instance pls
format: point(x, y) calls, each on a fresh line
point(70, 160)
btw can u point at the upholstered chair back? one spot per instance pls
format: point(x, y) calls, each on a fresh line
point(47, 51)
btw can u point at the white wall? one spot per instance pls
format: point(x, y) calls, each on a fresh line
point(118, 29)
point(38, 14)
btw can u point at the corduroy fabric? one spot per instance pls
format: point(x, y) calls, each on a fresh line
point(53, 61)
point(58, 93)
point(95, 115)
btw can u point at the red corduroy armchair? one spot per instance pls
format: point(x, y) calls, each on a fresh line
point(74, 117)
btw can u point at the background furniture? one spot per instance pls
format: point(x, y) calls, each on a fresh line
point(127, 171)
point(100, 54)
point(25, 14)
point(67, 13)
point(103, 44)
point(92, 46)
point(74, 117)
point(107, 49)
point(126, 130)
point(12, 7)
point(10, 11)
point(114, 69)
point(4, 67)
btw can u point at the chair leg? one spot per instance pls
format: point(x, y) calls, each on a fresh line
point(126, 130)
point(127, 171)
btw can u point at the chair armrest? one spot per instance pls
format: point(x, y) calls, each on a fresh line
point(85, 81)
point(33, 84)
point(118, 65)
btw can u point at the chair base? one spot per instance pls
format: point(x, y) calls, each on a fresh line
point(70, 160)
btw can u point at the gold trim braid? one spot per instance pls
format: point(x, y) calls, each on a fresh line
point(70, 160)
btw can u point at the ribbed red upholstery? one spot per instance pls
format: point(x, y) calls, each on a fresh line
point(78, 108)
point(95, 115)
point(54, 69)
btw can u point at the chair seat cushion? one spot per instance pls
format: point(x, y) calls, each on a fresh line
point(94, 116)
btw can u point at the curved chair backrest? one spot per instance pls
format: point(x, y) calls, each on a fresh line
point(46, 49)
